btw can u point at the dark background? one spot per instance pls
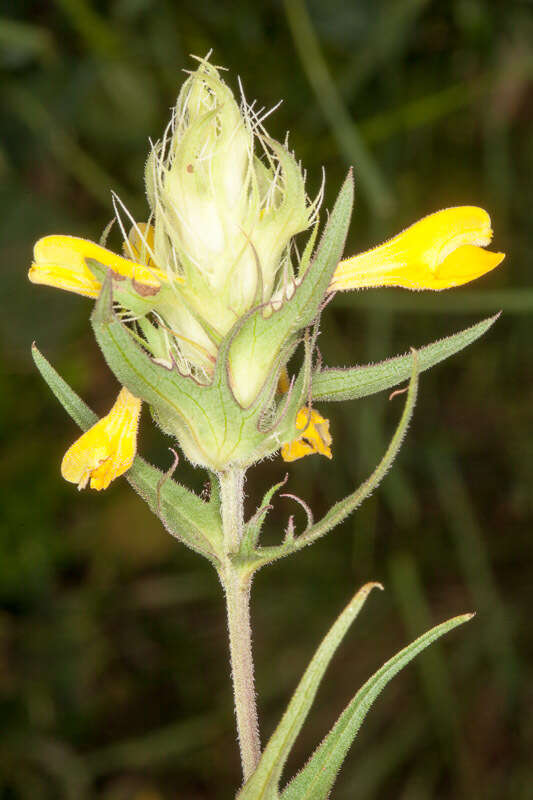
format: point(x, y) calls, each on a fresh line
point(113, 667)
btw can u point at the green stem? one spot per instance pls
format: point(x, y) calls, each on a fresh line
point(237, 590)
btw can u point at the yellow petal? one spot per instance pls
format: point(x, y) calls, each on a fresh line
point(61, 261)
point(107, 449)
point(80, 280)
point(315, 437)
point(437, 252)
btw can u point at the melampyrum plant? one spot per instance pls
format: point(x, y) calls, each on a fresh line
point(211, 316)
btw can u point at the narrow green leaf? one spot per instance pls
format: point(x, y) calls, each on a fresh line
point(344, 128)
point(351, 383)
point(71, 402)
point(263, 785)
point(184, 514)
point(316, 779)
point(343, 508)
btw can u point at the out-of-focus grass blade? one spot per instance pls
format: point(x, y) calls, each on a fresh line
point(350, 142)
point(161, 746)
point(101, 37)
point(422, 111)
point(474, 559)
point(23, 40)
point(421, 782)
point(73, 159)
point(378, 762)
point(434, 674)
point(397, 492)
point(389, 32)
point(510, 301)
point(57, 761)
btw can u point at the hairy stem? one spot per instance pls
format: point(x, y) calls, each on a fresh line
point(237, 589)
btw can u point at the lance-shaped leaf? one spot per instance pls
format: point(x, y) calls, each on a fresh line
point(262, 337)
point(355, 382)
point(339, 512)
point(187, 517)
point(263, 784)
point(316, 779)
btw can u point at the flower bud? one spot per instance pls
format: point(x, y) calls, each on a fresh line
point(223, 216)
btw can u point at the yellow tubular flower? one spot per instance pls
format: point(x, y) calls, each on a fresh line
point(441, 250)
point(106, 450)
point(61, 262)
point(315, 437)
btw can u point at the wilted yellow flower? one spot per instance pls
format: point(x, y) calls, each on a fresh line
point(442, 250)
point(106, 450)
point(314, 438)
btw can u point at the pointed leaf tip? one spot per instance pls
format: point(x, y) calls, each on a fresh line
point(263, 784)
point(338, 383)
point(316, 779)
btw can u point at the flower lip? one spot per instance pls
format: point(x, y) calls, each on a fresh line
point(106, 450)
point(61, 262)
point(442, 250)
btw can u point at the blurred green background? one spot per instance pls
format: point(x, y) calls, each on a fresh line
point(113, 672)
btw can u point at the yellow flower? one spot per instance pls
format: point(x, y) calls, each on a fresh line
point(61, 261)
point(315, 436)
point(441, 250)
point(107, 449)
